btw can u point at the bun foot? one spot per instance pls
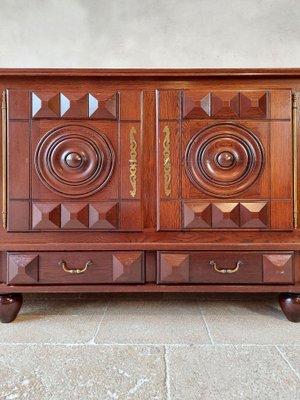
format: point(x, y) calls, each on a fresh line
point(290, 304)
point(10, 305)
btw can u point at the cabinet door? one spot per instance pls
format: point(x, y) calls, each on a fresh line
point(74, 160)
point(225, 159)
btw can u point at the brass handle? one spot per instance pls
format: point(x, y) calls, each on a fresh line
point(63, 264)
point(226, 270)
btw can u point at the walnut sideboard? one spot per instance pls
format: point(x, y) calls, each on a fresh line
point(150, 181)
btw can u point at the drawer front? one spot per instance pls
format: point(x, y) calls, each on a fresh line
point(225, 267)
point(95, 267)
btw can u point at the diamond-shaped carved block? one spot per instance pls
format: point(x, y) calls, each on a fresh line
point(22, 269)
point(197, 215)
point(102, 108)
point(103, 216)
point(225, 215)
point(128, 268)
point(174, 268)
point(196, 105)
point(225, 104)
point(45, 105)
point(278, 268)
point(253, 104)
point(254, 215)
point(74, 215)
point(45, 216)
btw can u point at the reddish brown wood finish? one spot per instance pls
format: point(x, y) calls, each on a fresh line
point(60, 267)
point(224, 268)
point(132, 213)
point(290, 304)
point(230, 142)
point(10, 305)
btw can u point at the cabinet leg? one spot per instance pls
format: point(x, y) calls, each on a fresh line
point(290, 304)
point(10, 305)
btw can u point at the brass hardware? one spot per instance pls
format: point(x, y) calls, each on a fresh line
point(295, 163)
point(133, 161)
point(167, 161)
point(4, 161)
point(63, 264)
point(226, 270)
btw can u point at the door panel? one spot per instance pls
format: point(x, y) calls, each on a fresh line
point(74, 160)
point(225, 159)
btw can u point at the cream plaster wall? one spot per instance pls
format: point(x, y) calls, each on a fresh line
point(150, 33)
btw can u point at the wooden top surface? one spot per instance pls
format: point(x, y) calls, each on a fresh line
point(152, 72)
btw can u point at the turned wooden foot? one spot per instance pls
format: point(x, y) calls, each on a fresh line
point(10, 305)
point(290, 304)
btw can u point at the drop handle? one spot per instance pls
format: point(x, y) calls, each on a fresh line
point(226, 270)
point(77, 271)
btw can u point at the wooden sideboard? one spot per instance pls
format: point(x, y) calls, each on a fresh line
point(150, 181)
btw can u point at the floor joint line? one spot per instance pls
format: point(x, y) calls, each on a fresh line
point(167, 381)
point(288, 362)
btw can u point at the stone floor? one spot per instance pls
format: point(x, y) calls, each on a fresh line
point(121, 346)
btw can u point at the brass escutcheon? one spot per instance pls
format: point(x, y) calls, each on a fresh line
point(132, 161)
point(167, 160)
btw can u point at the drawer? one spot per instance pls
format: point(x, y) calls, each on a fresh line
point(225, 267)
point(95, 267)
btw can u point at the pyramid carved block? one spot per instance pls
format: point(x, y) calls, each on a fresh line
point(225, 104)
point(196, 106)
point(45, 216)
point(74, 215)
point(103, 216)
point(73, 105)
point(174, 268)
point(45, 105)
point(127, 268)
point(22, 269)
point(278, 268)
point(197, 215)
point(253, 104)
point(103, 108)
point(225, 215)
point(254, 215)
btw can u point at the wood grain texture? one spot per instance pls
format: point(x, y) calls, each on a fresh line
point(46, 267)
point(196, 267)
point(113, 222)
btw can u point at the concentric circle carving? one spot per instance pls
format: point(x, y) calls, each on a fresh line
point(224, 159)
point(74, 160)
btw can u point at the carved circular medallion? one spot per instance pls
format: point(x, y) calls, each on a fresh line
point(224, 159)
point(74, 160)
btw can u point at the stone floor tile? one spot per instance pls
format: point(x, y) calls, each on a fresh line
point(153, 322)
point(31, 328)
point(228, 373)
point(292, 355)
point(81, 372)
point(123, 296)
point(46, 296)
point(68, 306)
point(244, 297)
point(248, 323)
